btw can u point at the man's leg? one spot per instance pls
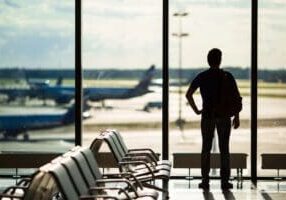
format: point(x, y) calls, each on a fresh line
point(223, 130)
point(207, 129)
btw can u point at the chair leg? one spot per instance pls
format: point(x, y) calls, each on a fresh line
point(166, 188)
point(164, 191)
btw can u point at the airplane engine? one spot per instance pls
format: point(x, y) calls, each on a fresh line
point(63, 100)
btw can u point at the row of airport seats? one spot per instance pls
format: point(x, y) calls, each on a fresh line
point(143, 163)
point(76, 175)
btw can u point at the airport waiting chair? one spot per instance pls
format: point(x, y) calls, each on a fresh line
point(142, 165)
point(89, 170)
point(66, 187)
point(49, 182)
point(85, 175)
point(138, 151)
point(147, 175)
point(147, 155)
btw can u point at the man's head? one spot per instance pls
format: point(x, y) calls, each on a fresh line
point(214, 57)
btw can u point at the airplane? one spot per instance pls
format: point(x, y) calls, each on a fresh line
point(13, 125)
point(101, 94)
point(64, 94)
point(60, 94)
point(33, 83)
point(39, 83)
point(33, 91)
point(15, 93)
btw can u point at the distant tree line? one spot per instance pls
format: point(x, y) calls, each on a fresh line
point(238, 72)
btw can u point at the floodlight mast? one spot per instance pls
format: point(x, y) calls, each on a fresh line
point(180, 35)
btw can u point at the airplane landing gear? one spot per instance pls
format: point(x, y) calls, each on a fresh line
point(26, 137)
point(7, 137)
point(14, 137)
point(103, 104)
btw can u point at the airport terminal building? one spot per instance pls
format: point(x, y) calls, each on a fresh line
point(93, 99)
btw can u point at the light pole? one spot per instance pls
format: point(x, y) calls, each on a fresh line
point(180, 122)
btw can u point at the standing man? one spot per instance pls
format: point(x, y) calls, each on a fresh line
point(215, 114)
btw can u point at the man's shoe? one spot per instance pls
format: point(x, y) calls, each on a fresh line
point(226, 186)
point(204, 186)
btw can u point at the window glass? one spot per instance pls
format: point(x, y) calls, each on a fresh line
point(36, 64)
point(122, 55)
point(271, 81)
point(195, 28)
point(36, 76)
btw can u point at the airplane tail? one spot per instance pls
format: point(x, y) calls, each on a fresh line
point(143, 85)
point(59, 81)
point(27, 78)
point(69, 116)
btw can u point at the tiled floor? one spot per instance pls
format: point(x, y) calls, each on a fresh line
point(179, 190)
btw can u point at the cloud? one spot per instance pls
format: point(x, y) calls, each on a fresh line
point(122, 34)
point(33, 50)
point(37, 33)
point(126, 42)
point(240, 4)
point(128, 33)
point(123, 41)
point(121, 9)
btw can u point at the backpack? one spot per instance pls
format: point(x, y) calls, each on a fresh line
point(229, 101)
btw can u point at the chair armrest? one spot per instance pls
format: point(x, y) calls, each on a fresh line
point(11, 196)
point(120, 190)
point(14, 188)
point(145, 149)
point(145, 154)
point(139, 158)
point(24, 182)
point(95, 197)
point(138, 162)
point(127, 175)
point(117, 181)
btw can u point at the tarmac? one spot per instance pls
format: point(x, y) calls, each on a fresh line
point(143, 129)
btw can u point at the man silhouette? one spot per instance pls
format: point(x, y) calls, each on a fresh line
point(213, 116)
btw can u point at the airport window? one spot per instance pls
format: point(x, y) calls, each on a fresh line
point(271, 84)
point(122, 55)
point(195, 28)
point(37, 77)
point(122, 74)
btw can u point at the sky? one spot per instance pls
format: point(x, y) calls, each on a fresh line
point(127, 34)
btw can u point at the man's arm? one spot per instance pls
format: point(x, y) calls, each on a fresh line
point(236, 121)
point(191, 101)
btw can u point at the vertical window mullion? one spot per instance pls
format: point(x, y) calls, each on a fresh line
point(254, 27)
point(165, 71)
point(78, 75)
